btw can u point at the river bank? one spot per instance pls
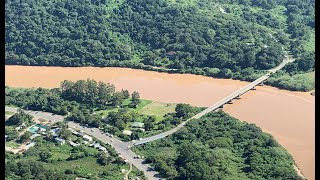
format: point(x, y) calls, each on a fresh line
point(288, 116)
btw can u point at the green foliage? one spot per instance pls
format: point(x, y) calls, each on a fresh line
point(218, 146)
point(26, 136)
point(45, 155)
point(140, 33)
point(50, 161)
point(183, 110)
point(297, 82)
point(11, 133)
point(67, 98)
point(65, 133)
point(19, 118)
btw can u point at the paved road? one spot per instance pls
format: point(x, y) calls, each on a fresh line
point(120, 146)
point(39, 114)
point(218, 104)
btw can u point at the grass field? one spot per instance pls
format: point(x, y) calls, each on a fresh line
point(146, 107)
point(158, 109)
point(12, 144)
point(9, 113)
point(309, 44)
point(87, 166)
point(310, 75)
point(143, 103)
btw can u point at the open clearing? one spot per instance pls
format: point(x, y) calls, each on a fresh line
point(158, 109)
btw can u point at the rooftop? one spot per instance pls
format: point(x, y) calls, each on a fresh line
point(137, 124)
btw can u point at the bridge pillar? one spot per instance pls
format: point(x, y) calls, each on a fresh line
point(254, 88)
point(230, 102)
point(261, 84)
point(238, 97)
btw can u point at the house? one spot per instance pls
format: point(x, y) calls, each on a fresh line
point(60, 140)
point(6, 136)
point(96, 145)
point(127, 132)
point(85, 142)
point(55, 131)
point(103, 149)
point(17, 128)
point(23, 125)
point(86, 137)
point(30, 145)
point(73, 144)
point(35, 135)
point(171, 54)
point(137, 125)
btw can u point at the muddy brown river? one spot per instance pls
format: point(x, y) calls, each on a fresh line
point(288, 116)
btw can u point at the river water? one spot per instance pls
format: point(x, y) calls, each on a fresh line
point(288, 116)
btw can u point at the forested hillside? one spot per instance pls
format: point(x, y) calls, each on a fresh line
point(218, 146)
point(226, 39)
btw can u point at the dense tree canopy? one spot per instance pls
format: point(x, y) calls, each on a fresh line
point(218, 146)
point(191, 36)
point(67, 98)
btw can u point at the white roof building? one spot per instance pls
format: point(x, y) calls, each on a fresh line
point(59, 140)
point(73, 144)
point(30, 145)
point(127, 132)
point(86, 137)
point(35, 135)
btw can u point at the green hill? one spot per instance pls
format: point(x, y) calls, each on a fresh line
point(214, 38)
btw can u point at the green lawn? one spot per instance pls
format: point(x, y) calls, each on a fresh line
point(12, 144)
point(126, 102)
point(310, 75)
point(158, 109)
point(87, 165)
point(9, 113)
point(146, 107)
point(309, 44)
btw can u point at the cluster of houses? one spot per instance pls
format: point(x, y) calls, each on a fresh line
point(88, 140)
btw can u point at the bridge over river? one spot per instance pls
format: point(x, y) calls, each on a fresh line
point(219, 104)
point(122, 147)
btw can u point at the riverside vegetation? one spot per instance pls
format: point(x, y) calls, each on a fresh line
point(190, 36)
point(99, 105)
point(218, 146)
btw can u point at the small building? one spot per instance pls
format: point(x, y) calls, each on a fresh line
point(55, 131)
point(73, 144)
point(6, 136)
point(35, 135)
point(137, 125)
point(96, 145)
point(60, 140)
point(171, 54)
point(17, 128)
point(85, 142)
point(127, 132)
point(30, 145)
point(103, 149)
point(88, 138)
point(23, 125)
